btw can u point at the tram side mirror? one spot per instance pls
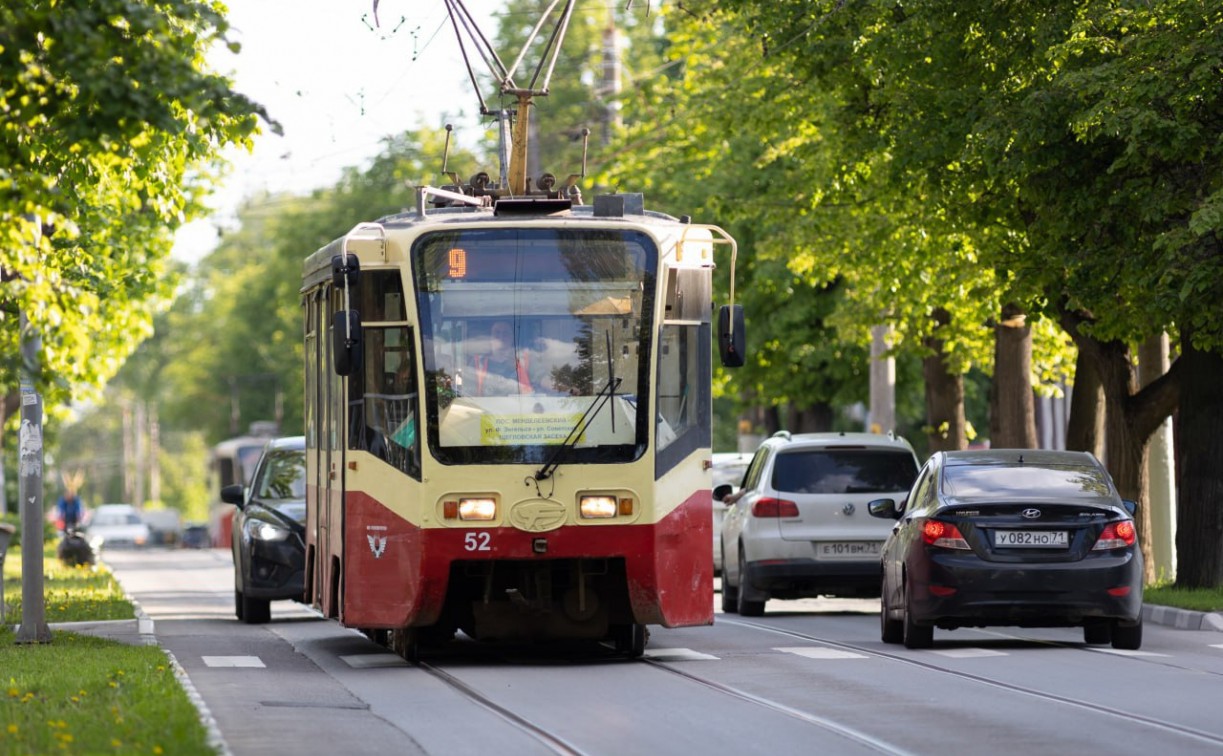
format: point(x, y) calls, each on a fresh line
point(344, 270)
point(346, 341)
point(732, 342)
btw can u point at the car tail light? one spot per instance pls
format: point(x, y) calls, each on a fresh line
point(1116, 535)
point(943, 535)
point(769, 507)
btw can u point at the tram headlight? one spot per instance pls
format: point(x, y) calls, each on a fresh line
point(477, 509)
point(598, 506)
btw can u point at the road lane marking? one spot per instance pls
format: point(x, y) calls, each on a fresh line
point(677, 654)
point(969, 653)
point(253, 662)
point(373, 661)
point(1124, 652)
point(821, 652)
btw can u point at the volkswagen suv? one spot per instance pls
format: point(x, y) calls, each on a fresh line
point(800, 527)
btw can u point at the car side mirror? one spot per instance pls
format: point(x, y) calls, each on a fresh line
point(885, 508)
point(1130, 505)
point(234, 494)
point(721, 492)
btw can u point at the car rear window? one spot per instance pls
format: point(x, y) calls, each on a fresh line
point(844, 471)
point(1006, 481)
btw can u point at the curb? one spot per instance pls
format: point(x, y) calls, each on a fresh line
point(1182, 619)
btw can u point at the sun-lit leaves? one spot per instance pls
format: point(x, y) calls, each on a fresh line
point(110, 124)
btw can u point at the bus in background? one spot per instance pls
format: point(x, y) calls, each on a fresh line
point(233, 461)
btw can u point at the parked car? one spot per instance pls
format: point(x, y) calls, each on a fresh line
point(1011, 537)
point(268, 535)
point(728, 469)
point(196, 536)
point(117, 526)
point(799, 526)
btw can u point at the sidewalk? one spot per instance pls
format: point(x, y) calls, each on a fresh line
point(1182, 619)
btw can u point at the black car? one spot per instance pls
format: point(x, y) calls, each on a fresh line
point(1011, 537)
point(269, 530)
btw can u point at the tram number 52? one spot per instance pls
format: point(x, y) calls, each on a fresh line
point(477, 542)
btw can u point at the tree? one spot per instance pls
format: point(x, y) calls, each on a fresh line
point(111, 126)
point(1086, 137)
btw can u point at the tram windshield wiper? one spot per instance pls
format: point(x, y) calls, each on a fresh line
point(605, 393)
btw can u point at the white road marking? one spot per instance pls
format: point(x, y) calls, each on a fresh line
point(373, 661)
point(821, 652)
point(970, 653)
point(1124, 652)
point(677, 654)
point(233, 661)
point(1216, 645)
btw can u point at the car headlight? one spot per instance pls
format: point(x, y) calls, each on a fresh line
point(262, 530)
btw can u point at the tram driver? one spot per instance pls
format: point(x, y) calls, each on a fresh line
point(504, 368)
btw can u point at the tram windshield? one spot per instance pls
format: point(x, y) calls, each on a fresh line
point(522, 328)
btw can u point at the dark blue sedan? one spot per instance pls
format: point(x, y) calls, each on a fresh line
point(1019, 537)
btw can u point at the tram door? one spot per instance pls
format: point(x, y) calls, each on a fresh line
point(331, 471)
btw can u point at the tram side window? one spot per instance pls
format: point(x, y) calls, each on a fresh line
point(683, 424)
point(383, 398)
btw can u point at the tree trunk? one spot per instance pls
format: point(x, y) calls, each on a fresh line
point(1085, 428)
point(1012, 419)
point(945, 424)
point(1199, 491)
point(814, 419)
point(1130, 417)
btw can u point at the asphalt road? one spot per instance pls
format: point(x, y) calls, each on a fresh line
point(809, 677)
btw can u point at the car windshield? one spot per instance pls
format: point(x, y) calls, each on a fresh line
point(1026, 481)
point(731, 474)
point(284, 477)
point(116, 518)
point(844, 471)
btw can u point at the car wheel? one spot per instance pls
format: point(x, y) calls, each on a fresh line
point(890, 630)
point(746, 606)
point(238, 605)
point(1126, 636)
point(1097, 633)
point(256, 611)
point(915, 635)
point(730, 593)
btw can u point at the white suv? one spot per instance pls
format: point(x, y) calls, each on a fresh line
point(799, 527)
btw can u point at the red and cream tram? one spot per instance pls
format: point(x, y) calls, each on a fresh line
point(508, 420)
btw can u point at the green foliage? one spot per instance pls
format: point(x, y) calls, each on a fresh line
point(111, 126)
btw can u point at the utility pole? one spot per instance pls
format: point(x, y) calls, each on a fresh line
point(882, 383)
point(33, 627)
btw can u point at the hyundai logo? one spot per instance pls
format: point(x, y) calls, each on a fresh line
point(1031, 513)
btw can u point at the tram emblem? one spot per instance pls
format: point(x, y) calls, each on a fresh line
point(538, 515)
point(377, 544)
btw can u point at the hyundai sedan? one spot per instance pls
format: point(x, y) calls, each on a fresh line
point(1018, 537)
point(269, 531)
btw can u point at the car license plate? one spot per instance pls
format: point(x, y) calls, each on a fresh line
point(847, 549)
point(1034, 539)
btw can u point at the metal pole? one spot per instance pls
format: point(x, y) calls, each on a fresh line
point(33, 627)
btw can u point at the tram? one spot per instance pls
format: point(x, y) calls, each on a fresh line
point(507, 414)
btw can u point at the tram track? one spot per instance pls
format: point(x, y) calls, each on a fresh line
point(559, 745)
point(549, 740)
point(1127, 715)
